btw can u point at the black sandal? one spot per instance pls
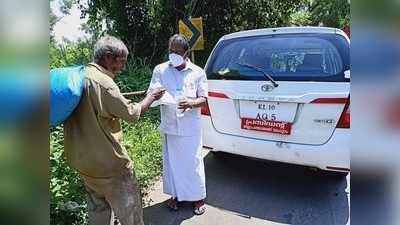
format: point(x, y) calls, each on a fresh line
point(173, 204)
point(199, 207)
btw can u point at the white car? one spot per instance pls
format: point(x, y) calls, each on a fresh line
point(281, 94)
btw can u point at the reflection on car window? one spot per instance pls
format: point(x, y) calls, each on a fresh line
point(286, 61)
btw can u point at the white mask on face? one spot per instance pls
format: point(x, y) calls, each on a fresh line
point(175, 59)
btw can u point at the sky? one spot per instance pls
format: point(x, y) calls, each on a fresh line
point(69, 26)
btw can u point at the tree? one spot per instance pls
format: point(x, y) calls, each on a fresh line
point(64, 7)
point(53, 19)
point(330, 13)
point(146, 25)
point(227, 16)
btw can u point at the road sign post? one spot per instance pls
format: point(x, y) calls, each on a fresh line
point(192, 29)
point(193, 56)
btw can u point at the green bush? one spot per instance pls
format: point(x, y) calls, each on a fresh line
point(67, 200)
point(72, 54)
point(67, 206)
point(141, 139)
point(136, 76)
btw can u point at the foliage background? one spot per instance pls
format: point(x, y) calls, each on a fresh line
point(146, 25)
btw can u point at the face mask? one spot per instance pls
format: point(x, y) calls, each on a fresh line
point(175, 59)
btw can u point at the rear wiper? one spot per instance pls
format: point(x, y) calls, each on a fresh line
point(260, 70)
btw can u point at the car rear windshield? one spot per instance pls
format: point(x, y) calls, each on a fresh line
point(294, 57)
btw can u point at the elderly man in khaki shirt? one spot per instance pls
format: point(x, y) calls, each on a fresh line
point(93, 137)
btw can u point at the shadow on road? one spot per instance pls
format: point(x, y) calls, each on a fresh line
point(275, 192)
point(269, 191)
point(159, 214)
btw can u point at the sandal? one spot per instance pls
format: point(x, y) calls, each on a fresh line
point(173, 204)
point(199, 207)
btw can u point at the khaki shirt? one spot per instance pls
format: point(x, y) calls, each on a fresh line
point(93, 134)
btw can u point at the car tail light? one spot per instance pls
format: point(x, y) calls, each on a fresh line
point(205, 110)
point(217, 95)
point(344, 121)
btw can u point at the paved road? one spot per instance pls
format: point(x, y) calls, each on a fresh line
point(242, 191)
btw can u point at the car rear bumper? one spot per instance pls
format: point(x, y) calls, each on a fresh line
point(333, 155)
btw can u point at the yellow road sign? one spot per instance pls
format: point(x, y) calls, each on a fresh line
point(192, 29)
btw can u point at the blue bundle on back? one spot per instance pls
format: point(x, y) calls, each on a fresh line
point(66, 87)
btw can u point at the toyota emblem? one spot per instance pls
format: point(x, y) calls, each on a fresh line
point(267, 88)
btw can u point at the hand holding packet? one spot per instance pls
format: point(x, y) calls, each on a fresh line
point(166, 99)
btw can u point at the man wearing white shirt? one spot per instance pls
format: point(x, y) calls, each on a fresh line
point(183, 166)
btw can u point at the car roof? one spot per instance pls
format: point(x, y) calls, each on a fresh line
point(282, 30)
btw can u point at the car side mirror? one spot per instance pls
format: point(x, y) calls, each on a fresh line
point(347, 74)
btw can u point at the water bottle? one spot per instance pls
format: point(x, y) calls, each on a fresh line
point(178, 98)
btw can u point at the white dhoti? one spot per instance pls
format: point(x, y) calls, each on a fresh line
point(183, 167)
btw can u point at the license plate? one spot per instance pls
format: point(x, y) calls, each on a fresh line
point(271, 111)
point(266, 126)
